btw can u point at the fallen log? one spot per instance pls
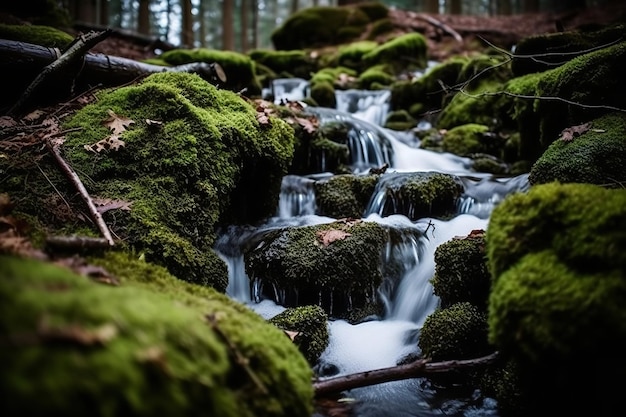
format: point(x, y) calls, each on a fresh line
point(415, 369)
point(21, 62)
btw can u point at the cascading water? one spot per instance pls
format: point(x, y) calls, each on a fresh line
point(409, 299)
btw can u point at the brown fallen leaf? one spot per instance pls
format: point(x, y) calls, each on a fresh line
point(568, 134)
point(75, 334)
point(326, 237)
point(117, 124)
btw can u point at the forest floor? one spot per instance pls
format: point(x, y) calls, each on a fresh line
point(475, 32)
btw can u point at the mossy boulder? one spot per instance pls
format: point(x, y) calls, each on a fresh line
point(344, 195)
point(596, 156)
point(326, 25)
point(582, 223)
point(403, 53)
point(351, 55)
point(461, 272)
point(456, 332)
point(418, 194)
point(556, 255)
point(375, 78)
point(310, 323)
point(336, 265)
point(39, 12)
point(238, 68)
point(400, 120)
point(151, 345)
point(295, 63)
point(193, 157)
point(587, 86)
point(540, 53)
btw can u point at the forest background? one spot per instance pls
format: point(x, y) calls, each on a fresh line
point(243, 25)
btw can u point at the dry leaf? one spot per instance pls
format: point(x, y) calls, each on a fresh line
point(112, 142)
point(291, 335)
point(34, 116)
point(568, 134)
point(326, 237)
point(105, 204)
point(309, 125)
point(117, 124)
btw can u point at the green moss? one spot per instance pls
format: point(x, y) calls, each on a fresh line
point(344, 195)
point(374, 10)
point(297, 63)
point(351, 55)
point(583, 224)
point(344, 271)
point(598, 156)
point(239, 68)
point(400, 120)
point(35, 34)
point(376, 76)
point(474, 106)
point(319, 26)
point(311, 325)
point(466, 139)
point(323, 92)
point(456, 332)
point(591, 80)
point(461, 273)
point(201, 167)
point(76, 347)
point(380, 27)
point(402, 53)
point(421, 194)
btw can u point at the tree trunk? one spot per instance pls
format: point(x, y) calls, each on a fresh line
point(143, 19)
point(228, 30)
point(503, 7)
point(431, 6)
point(245, 44)
point(456, 6)
point(255, 24)
point(187, 38)
point(530, 6)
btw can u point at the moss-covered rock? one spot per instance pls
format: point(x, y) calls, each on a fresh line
point(344, 195)
point(402, 53)
point(400, 120)
point(582, 223)
point(238, 68)
point(540, 53)
point(466, 139)
point(351, 55)
point(296, 63)
point(456, 332)
point(151, 345)
point(461, 273)
point(191, 157)
point(311, 325)
point(326, 25)
point(418, 194)
point(375, 78)
point(39, 12)
point(597, 156)
point(336, 265)
point(587, 87)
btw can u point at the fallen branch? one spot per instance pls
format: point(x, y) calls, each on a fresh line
point(77, 242)
point(74, 52)
point(418, 368)
point(75, 180)
point(447, 29)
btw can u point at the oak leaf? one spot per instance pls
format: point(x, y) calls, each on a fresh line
point(117, 124)
point(326, 237)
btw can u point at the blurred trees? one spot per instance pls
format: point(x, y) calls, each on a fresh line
point(244, 24)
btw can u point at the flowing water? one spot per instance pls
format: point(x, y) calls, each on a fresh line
point(382, 341)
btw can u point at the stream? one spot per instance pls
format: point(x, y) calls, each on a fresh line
point(381, 342)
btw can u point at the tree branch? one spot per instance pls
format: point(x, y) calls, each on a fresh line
point(418, 368)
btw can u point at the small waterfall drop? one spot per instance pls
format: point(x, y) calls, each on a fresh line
point(369, 105)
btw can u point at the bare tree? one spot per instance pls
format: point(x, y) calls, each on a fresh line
point(245, 44)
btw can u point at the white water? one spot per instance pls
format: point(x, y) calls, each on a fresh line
point(382, 343)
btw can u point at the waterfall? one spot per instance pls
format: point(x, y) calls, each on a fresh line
point(407, 293)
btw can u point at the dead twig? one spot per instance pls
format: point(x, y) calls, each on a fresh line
point(75, 180)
